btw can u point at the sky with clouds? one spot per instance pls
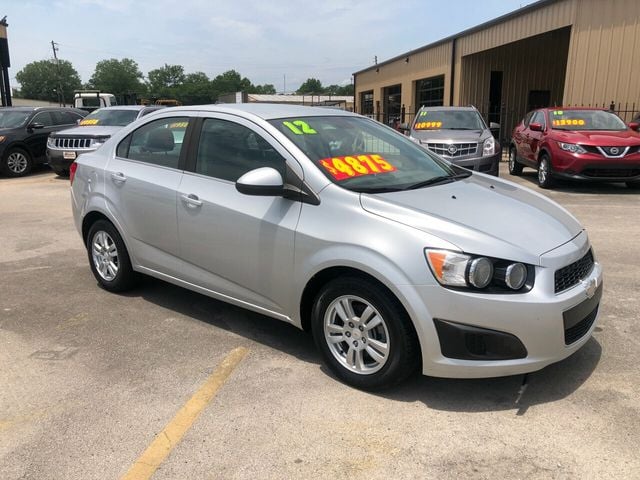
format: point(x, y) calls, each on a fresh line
point(266, 41)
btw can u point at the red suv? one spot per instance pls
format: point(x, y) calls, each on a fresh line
point(577, 144)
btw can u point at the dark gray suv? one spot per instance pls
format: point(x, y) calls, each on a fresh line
point(459, 135)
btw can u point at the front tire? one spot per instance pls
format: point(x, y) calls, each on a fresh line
point(108, 258)
point(515, 167)
point(16, 163)
point(545, 180)
point(363, 333)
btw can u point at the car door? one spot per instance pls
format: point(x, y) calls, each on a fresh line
point(519, 136)
point(37, 137)
point(141, 182)
point(535, 137)
point(237, 245)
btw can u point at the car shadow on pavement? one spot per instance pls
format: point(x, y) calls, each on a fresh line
point(550, 384)
point(567, 186)
point(460, 395)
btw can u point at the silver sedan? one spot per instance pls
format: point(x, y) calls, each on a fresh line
point(394, 259)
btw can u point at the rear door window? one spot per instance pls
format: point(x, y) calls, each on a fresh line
point(159, 142)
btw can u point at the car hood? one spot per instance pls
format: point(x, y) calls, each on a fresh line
point(461, 136)
point(594, 138)
point(481, 215)
point(87, 131)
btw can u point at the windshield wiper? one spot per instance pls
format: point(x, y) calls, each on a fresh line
point(376, 189)
point(438, 180)
point(461, 128)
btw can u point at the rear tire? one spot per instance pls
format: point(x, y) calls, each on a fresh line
point(545, 180)
point(16, 162)
point(364, 335)
point(633, 185)
point(61, 172)
point(515, 167)
point(109, 259)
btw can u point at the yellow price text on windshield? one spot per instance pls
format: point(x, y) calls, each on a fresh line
point(573, 122)
point(350, 166)
point(89, 121)
point(299, 127)
point(428, 125)
point(178, 125)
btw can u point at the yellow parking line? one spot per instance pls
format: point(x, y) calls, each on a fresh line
point(146, 465)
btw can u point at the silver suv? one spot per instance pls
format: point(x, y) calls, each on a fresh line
point(459, 135)
point(395, 259)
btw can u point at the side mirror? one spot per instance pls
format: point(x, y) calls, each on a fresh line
point(264, 181)
point(35, 126)
point(494, 126)
point(634, 126)
point(536, 127)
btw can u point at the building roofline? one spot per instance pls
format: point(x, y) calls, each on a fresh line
point(482, 26)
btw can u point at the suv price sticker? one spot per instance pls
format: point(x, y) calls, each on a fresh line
point(350, 166)
point(89, 121)
point(427, 125)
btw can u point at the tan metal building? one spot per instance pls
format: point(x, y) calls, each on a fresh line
point(552, 52)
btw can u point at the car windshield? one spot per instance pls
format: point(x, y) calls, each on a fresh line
point(364, 156)
point(13, 119)
point(585, 120)
point(448, 120)
point(111, 117)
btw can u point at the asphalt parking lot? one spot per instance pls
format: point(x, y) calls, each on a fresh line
point(89, 379)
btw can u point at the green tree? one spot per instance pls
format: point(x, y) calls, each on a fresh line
point(39, 80)
point(311, 85)
point(166, 80)
point(118, 77)
point(196, 89)
point(266, 89)
point(338, 90)
point(229, 82)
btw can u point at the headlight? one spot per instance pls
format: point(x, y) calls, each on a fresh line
point(454, 269)
point(489, 147)
point(570, 147)
point(2, 138)
point(98, 141)
point(51, 142)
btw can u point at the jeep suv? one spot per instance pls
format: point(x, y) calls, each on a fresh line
point(459, 135)
point(92, 131)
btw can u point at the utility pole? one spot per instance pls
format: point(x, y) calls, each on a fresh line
point(54, 46)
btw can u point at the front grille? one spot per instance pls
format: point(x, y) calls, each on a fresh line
point(453, 150)
point(571, 275)
point(73, 143)
point(614, 151)
point(611, 172)
point(575, 333)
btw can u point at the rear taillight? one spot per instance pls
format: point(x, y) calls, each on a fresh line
point(72, 171)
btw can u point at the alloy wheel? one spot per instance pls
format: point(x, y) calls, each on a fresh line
point(356, 334)
point(17, 162)
point(105, 256)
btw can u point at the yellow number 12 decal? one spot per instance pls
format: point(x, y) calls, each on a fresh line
point(299, 127)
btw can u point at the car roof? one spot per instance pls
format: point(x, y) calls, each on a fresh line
point(40, 109)
point(552, 109)
point(438, 109)
point(266, 111)
point(127, 107)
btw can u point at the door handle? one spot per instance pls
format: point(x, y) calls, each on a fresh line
point(118, 177)
point(191, 200)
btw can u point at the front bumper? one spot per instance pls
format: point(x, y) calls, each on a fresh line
point(488, 165)
point(591, 167)
point(549, 326)
point(61, 159)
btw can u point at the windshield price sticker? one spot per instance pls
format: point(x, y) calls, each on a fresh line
point(558, 112)
point(427, 125)
point(342, 168)
point(299, 127)
point(89, 121)
point(575, 122)
point(178, 125)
